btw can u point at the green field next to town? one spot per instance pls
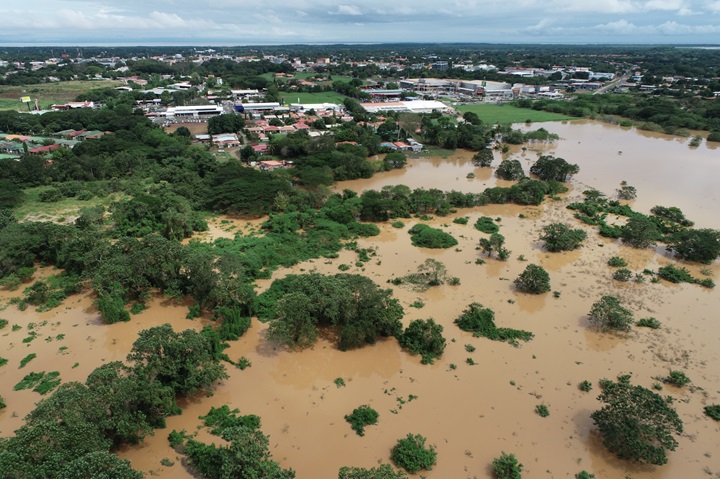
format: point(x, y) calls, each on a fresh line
point(490, 113)
point(324, 97)
point(48, 93)
point(306, 76)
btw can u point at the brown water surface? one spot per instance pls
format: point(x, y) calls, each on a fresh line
point(470, 413)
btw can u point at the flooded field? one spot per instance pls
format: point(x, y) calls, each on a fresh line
point(471, 413)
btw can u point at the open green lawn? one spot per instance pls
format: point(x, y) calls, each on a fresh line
point(49, 93)
point(492, 114)
point(304, 76)
point(35, 210)
point(325, 97)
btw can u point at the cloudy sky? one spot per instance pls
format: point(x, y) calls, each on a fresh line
point(241, 22)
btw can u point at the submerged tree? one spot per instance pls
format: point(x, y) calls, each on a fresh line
point(550, 168)
point(534, 280)
point(558, 237)
point(607, 314)
point(637, 424)
point(510, 170)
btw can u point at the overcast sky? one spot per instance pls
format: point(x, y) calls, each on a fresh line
point(242, 22)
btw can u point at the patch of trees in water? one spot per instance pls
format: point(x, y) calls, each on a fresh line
point(126, 256)
point(664, 224)
point(73, 433)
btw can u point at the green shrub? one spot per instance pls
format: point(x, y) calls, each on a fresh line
point(622, 274)
point(486, 224)
point(481, 322)
point(411, 454)
point(383, 471)
point(361, 417)
point(534, 280)
point(427, 237)
point(234, 324)
point(675, 275)
point(558, 237)
point(585, 386)
point(27, 359)
point(676, 378)
point(542, 410)
point(112, 309)
point(713, 411)
point(243, 363)
point(607, 314)
point(194, 311)
point(50, 195)
point(463, 220)
point(584, 475)
point(648, 323)
point(339, 382)
point(397, 224)
point(617, 262)
point(507, 467)
point(424, 337)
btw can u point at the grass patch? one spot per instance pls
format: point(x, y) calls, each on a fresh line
point(49, 93)
point(27, 359)
point(490, 113)
point(34, 209)
point(324, 97)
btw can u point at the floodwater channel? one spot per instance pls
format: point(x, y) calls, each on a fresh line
point(470, 413)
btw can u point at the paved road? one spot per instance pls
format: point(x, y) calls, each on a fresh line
point(613, 84)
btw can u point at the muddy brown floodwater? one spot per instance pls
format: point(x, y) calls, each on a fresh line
point(470, 413)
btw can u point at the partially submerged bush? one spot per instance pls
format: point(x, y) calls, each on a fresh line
point(534, 280)
point(362, 416)
point(481, 322)
point(607, 314)
point(411, 454)
point(424, 337)
point(428, 237)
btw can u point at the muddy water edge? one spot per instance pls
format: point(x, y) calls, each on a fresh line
point(471, 413)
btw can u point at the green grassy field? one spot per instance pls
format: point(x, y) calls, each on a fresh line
point(304, 76)
point(325, 97)
point(48, 93)
point(490, 113)
point(35, 210)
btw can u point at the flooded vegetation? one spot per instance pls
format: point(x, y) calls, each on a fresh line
point(478, 398)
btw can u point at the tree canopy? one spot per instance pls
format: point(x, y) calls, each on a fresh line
point(637, 424)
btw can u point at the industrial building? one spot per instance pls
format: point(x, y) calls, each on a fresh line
point(178, 113)
point(417, 106)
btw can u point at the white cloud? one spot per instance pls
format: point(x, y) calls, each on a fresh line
point(348, 10)
point(251, 21)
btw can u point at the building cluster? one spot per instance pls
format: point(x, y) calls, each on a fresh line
point(436, 87)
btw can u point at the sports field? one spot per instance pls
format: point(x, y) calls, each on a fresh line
point(491, 113)
point(48, 93)
point(324, 97)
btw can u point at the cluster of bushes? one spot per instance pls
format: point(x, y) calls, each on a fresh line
point(246, 453)
point(353, 305)
point(75, 430)
point(668, 225)
point(481, 322)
